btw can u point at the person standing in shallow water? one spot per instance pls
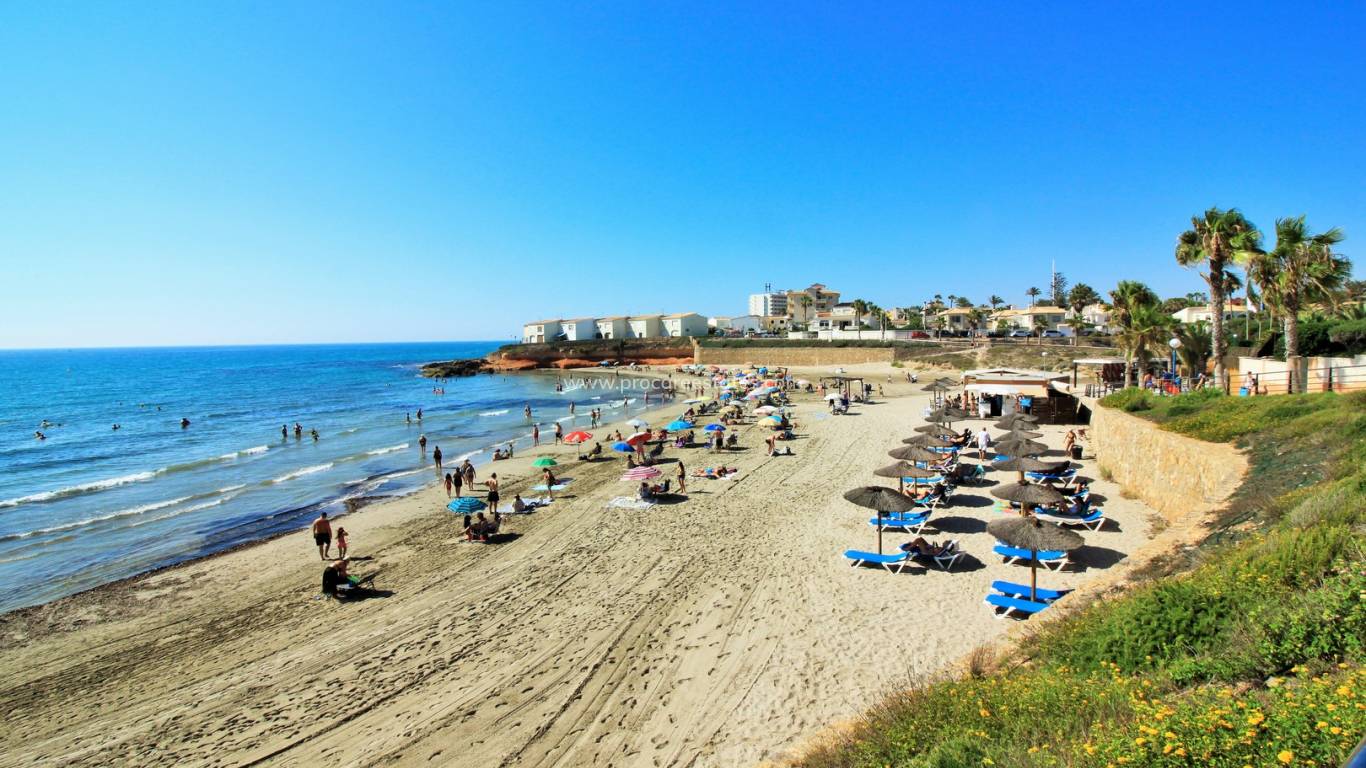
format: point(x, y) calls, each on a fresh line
point(422, 443)
point(436, 457)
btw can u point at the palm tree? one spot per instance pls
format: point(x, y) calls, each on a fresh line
point(1146, 327)
point(1216, 240)
point(860, 309)
point(1032, 293)
point(995, 301)
point(962, 302)
point(1300, 270)
point(1129, 301)
point(806, 301)
point(1195, 346)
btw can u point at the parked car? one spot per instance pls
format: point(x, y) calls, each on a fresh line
point(1020, 333)
point(1051, 334)
point(919, 335)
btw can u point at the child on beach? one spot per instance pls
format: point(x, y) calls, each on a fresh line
point(448, 485)
point(341, 543)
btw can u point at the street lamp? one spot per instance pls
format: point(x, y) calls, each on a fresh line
point(1175, 344)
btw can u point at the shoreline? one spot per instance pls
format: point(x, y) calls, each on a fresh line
point(710, 632)
point(480, 460)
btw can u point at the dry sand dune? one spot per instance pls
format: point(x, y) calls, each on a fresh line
point(715, 632)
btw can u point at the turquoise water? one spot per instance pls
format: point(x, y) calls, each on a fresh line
point(91, 504)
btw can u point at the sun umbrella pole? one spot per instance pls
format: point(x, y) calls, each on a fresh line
point(879, 531)
point(1033, 575)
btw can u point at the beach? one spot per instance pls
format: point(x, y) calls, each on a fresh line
point(722, 630)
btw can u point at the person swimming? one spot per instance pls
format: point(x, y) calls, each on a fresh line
point(184, 423)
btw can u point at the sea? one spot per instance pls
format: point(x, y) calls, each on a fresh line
point(92, 504)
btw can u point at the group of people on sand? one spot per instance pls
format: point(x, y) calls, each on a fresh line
point(322, 536)
point(284, 430)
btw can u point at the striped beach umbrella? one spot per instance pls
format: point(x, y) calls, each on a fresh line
point(637, 474)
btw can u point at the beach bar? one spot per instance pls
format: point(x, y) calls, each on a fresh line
point(1012, 389)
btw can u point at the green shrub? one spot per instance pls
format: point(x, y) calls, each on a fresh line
point(1351, 335)
point(1130, 400)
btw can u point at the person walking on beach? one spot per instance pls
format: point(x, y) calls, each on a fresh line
point(492, 485)
point(983, 441)
point(341, 542)
point(548, 478)
point(436, 457)
point(448, 485)
point(535, 435)
point(559, 433)
point(322, 535)
point(681, 474)
point(458, 479)
point(468, 470)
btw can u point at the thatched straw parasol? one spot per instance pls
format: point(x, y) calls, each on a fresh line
point(934, 429)
point(1027, 493)
point(882, 500)
point(902, 470)
point(1017, 431)
point(1020, 447)
point(1034, 535)
point(915, 453)
point(1015, 419)
point(1023, 464)
point(928, 441)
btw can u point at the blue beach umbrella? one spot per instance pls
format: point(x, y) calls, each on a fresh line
point(623, 448)
point(725, 395)
point(715, 428)
point(465, 505)
point(674, 426)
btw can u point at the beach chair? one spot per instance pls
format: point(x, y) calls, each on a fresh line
point(1049, 559)
point(898, 559)
point(1065, 477)
point(1092, 520)
point(1021, 591)
point(946, 559)
point(1004, 606)
point(909, 522)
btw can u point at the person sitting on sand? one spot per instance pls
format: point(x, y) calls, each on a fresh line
point(645, 493)
point(596, 452)
point(631, 461)
point(519, 506)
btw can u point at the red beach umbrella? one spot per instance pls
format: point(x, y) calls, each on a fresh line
point(574, 438)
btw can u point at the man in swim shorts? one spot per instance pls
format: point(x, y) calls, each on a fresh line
point(322, 535)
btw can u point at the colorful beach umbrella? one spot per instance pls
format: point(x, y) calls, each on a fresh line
point(637, 423)
point(639, 438)
point(465, 505)
point(678, 424)
point(545, 461)
point(772, 420)
point(622, 447)
point(574, 438)
point(715, 428)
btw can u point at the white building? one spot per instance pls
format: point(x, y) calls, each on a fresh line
point(768, 304)
point(579, 329)
point(1205, 313)
point(612, 327)
point(1041, 318)
point(804, 305)
point(540, 331)
point(685, 324)
point(644, 326)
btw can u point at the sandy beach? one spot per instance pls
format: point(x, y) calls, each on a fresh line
point(719, 631)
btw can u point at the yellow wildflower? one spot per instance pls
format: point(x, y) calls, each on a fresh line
point(1285, 756)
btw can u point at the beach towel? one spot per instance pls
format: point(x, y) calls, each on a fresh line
point(629, 502)
point(556, 487)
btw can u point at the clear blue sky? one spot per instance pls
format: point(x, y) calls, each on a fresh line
point(199, 173)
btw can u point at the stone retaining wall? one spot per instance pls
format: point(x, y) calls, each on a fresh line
point(1174, 474)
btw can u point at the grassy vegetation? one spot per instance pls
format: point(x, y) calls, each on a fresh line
point(1251, 655)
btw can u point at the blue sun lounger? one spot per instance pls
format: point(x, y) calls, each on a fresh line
point(1046, 558)
point(1064, 477)
point(912, 523)
point(1007, 605)
point(898, 559)
point(1021, 591)
point(947, 558)
point(1092, 520)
